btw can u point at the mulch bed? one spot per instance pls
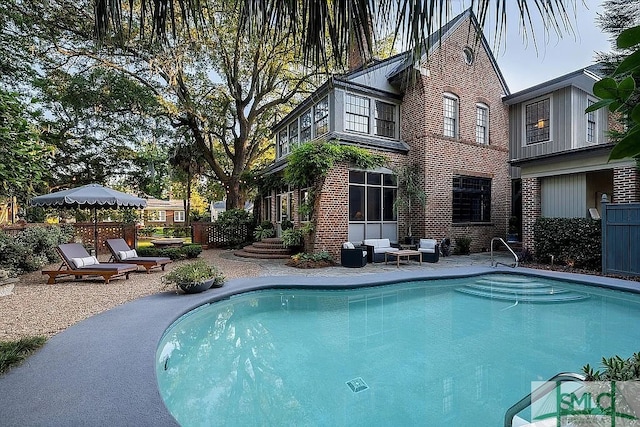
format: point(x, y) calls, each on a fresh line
point(310, 264)
point(568, 269)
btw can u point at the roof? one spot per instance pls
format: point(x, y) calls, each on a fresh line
point(171, 204)
point(438, 37)
point(582, 78)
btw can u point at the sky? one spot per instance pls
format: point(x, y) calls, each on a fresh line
point(523, 67)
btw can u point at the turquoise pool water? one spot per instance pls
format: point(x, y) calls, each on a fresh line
point(417, 353)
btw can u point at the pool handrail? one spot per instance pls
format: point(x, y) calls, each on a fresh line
point(495, 264)
point(540, 392)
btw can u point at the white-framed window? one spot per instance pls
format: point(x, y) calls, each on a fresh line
point(592, 125)
point(357, 113)
point(537, 118)
point(178, 216)
point(321, 118)
point(450, 112)
point(157, 216)
point(482, 124)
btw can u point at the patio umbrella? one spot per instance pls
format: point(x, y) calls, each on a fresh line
point(91, 196)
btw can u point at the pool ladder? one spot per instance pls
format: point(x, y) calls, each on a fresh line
point(495, 263)
point(539, 393)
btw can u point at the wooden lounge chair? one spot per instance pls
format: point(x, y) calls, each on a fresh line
point(122, 253)
point(77, 262)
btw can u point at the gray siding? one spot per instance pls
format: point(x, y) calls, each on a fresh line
point(564, 196)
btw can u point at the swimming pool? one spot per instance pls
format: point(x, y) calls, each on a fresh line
point(436, 352)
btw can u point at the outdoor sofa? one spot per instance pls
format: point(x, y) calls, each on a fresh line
point(376, 248)
point(77, 262)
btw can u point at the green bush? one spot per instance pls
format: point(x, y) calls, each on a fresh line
point(462, 246)
point(32, 248)
point(147, 231)
point(286, 225)
point(576, 242)
point(14, 352)
point(292, 237)
point(262, 233)
point(184, 252)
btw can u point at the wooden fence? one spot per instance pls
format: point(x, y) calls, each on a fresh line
point(211, 234)
point(621, 239)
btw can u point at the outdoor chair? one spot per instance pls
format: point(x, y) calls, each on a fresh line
point(77, 262)
point(377, 248)
point(122, 253)
point(353, 256)
point(429, 249)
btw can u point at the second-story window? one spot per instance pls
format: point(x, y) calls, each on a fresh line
point(385, 119)
point(283, 142)
point(357, 113)
point(482, 124)
point(322, 117)
point(305, 126)
point(537, 121)
point(591, 123)
point(293, 134)
point(450, 110)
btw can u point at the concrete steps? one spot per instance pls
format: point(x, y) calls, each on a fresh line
point(518, 289)
point(270, 248)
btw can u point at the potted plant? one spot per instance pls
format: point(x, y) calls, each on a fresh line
point(194, 277)
point(411, 195)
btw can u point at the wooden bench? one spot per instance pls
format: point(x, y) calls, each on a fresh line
point(78, 273)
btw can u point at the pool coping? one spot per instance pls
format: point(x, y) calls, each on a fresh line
point(101, 371)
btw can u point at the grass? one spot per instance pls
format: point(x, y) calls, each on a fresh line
point(14, 352)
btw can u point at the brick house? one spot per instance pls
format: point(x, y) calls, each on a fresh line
point(164, 212)
point(444, 114)
point(559, 154)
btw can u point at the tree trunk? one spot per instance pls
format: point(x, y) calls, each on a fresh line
point(235, 199)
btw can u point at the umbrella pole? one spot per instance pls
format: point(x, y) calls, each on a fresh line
point(95, 230)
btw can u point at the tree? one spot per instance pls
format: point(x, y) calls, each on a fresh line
point(225, 89)
point(411, 192)
point(23, 155)
point(323, 26)
point(620, 91)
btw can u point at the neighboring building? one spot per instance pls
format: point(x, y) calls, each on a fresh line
point(216, 208)
point(164, 212)
point(446, 115)
point(559, 154)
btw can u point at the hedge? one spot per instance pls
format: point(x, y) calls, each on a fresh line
point(184, 252)
point(576, 242)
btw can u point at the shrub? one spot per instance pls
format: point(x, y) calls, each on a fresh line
point(463, 245)
point(14, 352)
point(576, 242)
point(235, 223)
point(266, 224)
point(184, 252)
point(292, 237)
point(615, 369)
point(286, 225)
point(147, 231)
point(32, 248)
point(262, 233)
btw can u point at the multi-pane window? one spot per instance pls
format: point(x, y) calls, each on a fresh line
point(322, 117)
point(537, 121)
point(482, 124)
point(385, 119)
point(450, 110)
point(283, 141)
point(471, 199)
point(178, 216)
point(357, 113)
point(591, 123)
point(305, 126)
point(371, 196)
point(157, 216)
point(293, 134)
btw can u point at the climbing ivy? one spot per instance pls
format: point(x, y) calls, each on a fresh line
point(310, 162)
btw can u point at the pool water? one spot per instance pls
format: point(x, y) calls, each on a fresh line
point(418, 353)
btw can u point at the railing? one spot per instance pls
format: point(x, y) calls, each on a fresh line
point(539, 393)
point(495, 264)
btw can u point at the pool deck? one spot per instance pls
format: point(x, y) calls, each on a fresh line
point(101, 371)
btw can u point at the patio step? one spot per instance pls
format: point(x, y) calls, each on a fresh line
point(270, 248)
point(517, 289)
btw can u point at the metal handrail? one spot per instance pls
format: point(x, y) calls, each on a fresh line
point(540, 392)
point(510, 250)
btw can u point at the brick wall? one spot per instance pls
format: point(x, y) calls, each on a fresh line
point(626, 184)
point(531, 209)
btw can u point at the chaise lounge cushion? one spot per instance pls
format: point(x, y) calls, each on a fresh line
point(84, 261)
point(127, 254)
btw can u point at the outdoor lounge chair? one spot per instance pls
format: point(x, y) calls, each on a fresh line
point(77, 262)
point(430, 250)
point(353, 256)
point(122, 253)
